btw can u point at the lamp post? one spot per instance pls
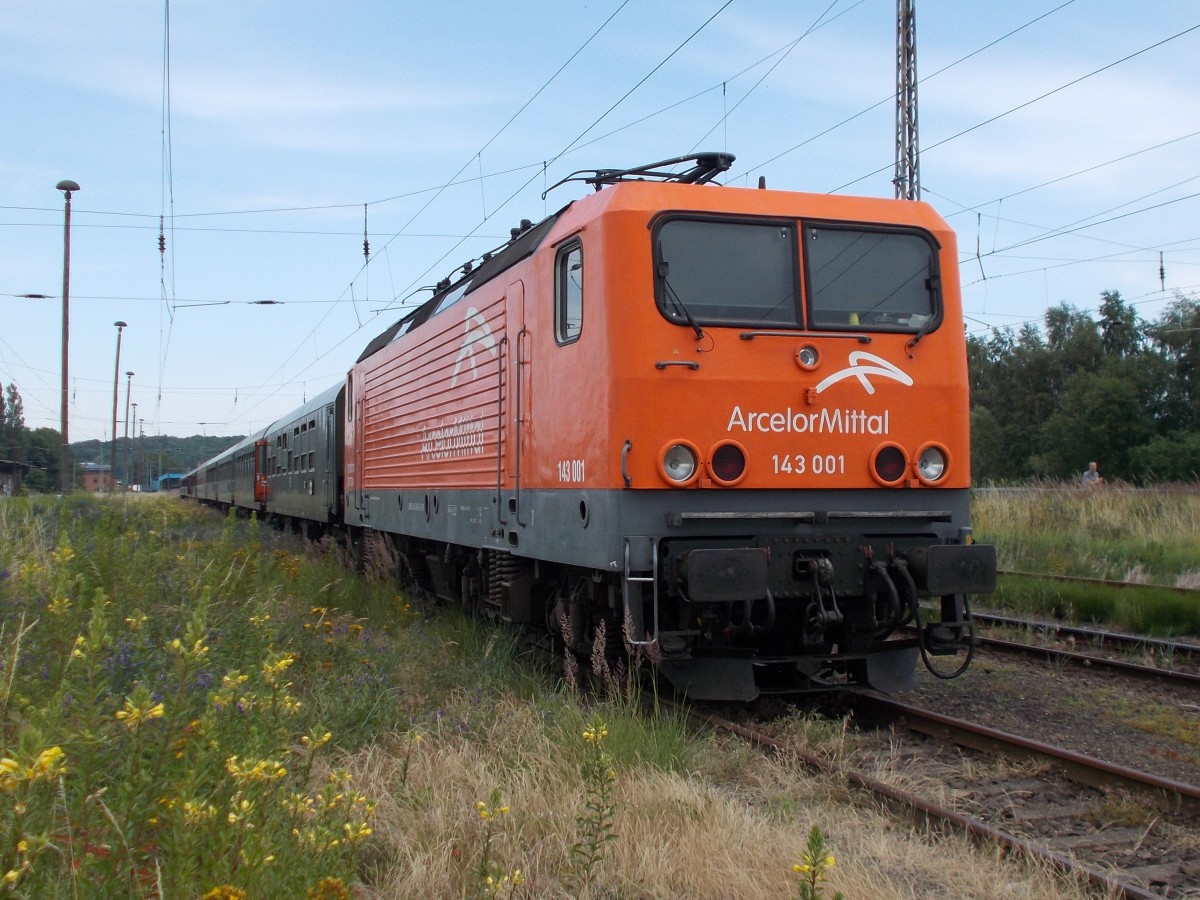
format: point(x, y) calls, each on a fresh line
point(128, 387)
point(112, 484)
point(67, 471)
point(130, 468)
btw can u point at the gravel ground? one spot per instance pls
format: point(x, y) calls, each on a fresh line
point(1133, 723)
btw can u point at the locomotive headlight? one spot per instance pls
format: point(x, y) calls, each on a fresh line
point(679, 463)
point(932, 462)
point(807, 357)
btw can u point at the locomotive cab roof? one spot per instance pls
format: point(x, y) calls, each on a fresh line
point(527, 237)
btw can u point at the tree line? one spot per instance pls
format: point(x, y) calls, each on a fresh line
point(1045, 401)
point(1116, 389)
point(35, 453)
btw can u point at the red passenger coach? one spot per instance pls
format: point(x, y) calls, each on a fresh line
point(732, 422)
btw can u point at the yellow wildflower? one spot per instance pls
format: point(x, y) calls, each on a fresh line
point(299, 804)
point(46, 766)
point(49, 763)
point(197, 811)
point(272, 668)
point(241, 809)
point(329, 889)
point(225, 892)
point(199, 649)
point(58, 606)
point(134, 714)
point(260, 770)
point(315, 742)
point(8, 771)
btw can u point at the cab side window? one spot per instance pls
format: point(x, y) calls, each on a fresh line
point(568, 292)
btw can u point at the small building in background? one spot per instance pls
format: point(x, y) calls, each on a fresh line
point(95, 477)
point(170, 482)
point(10, 477)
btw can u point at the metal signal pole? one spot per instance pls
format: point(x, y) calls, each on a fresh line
point(66, 475)
point(128, 388)
point(112, 483)
point(908, 156)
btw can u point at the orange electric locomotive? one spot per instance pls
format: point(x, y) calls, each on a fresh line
point(730, 422)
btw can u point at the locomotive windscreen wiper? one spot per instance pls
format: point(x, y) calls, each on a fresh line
point(677, 302)
point(930, 286)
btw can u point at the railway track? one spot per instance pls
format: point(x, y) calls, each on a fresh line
point(1125, 833)
point(1175, 662)
point(1098, 582)
point(1095, 636)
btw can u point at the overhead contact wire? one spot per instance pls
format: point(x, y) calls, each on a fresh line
point(1020, 106)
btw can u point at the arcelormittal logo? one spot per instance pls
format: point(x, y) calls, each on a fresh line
point(862, 366)
point(477, 335)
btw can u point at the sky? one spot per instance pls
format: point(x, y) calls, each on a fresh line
point(1059, 139)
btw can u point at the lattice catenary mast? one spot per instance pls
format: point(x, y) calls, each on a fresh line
point(908, 156)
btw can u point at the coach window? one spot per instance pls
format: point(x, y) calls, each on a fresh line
point(568, 293)
point(871, 279)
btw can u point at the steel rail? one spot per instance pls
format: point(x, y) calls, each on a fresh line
point(930, 813)
point(1098, 582)
point(1083, 769)
point(1162, 645)
point(1124, 667)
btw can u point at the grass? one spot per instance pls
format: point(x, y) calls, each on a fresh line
point(197, 707)
point(1148, 537)
point(170, 703)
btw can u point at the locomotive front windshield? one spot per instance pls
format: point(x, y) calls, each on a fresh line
point(735, 272)
point(874, 279)
point(728, 273)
